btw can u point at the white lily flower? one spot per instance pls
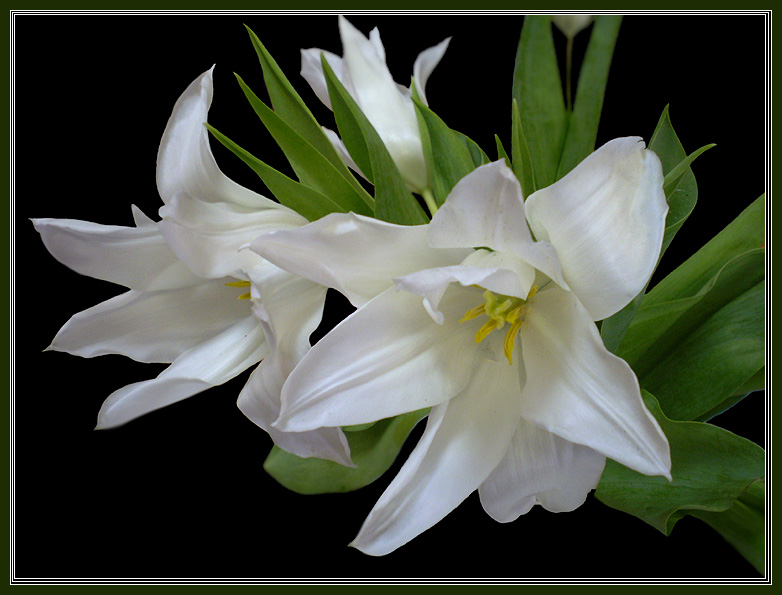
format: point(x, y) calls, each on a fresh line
point(526, 415)
point(184, 306)
point(388, 106)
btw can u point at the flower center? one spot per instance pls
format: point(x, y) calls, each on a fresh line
point(501, 309)
point(244, 296)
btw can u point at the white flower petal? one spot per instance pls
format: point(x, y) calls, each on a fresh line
point(185, 162)
point(606, 218)
point(486, 209)
point(289, 309)
point(387, 358)
point(260, 402)
point(208, 364)
point(425, 63)
point(464, 441)
point(377, 43)
point(312, 72)
point(152, 326)
point(136, 257)
point(391, 113)
point(358, 256)
point(208, 235)
point(540, 468)
point(342, 151)
point(580, 391)
point(499, 272)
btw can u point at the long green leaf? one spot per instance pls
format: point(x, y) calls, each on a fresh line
point(312, 168)
point(585, 117)
point(521, 158)
point(745, 233)
point(698, 337)
point(305, 201)
point(537, 89)
point(291, 108)
point(705, 368)
point(393, 201)
point(713, 471)
point(373, 450)
point(448, 155)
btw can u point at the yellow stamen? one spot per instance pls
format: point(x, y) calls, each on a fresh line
point(501, 309)
point(486, 329)
point(238, 284)
point(474, 313)
point(510, 339)
point(245, 296)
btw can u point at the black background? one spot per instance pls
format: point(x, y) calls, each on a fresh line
point(181, 492)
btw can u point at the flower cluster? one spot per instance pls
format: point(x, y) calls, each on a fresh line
point(478, 295)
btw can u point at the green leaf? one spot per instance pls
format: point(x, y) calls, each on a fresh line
point(698, 337)
point(305, 201)
point(479, 156)
point(312, 168)
point(743, 524)
point(501, 152)
point(681, 193)
point(714, 473)
point(673, 177)
point(373, 451)
point(584, 120)
point(537, 89)
point(522, 160)
point(716, 346)
point(393, 201)
point(291, 108)
point(743, 234)
point(448, 155)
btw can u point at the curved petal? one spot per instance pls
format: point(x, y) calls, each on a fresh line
point(208, 235)
point(464, 441)
point(377, 43)
point(260, 402)
point(606, 218)
point(358, 256)
point(312, 72)
point(499, 272)
point(185, 162)
point(152, 326)
point(540, 468)
point(425, 64)
point(580, 391)
point(290, 309)
point(136, 257)
point(391, 113)
point(387, 358)
point(486, 208)
point(208, 364)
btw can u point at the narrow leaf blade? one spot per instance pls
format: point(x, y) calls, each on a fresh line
point(537, 89)
point(585, 118)
point(393, 200)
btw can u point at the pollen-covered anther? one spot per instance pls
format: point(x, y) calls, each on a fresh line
point(244, 296)
point(501, 309)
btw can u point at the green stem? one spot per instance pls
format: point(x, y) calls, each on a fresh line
point(428, 197)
